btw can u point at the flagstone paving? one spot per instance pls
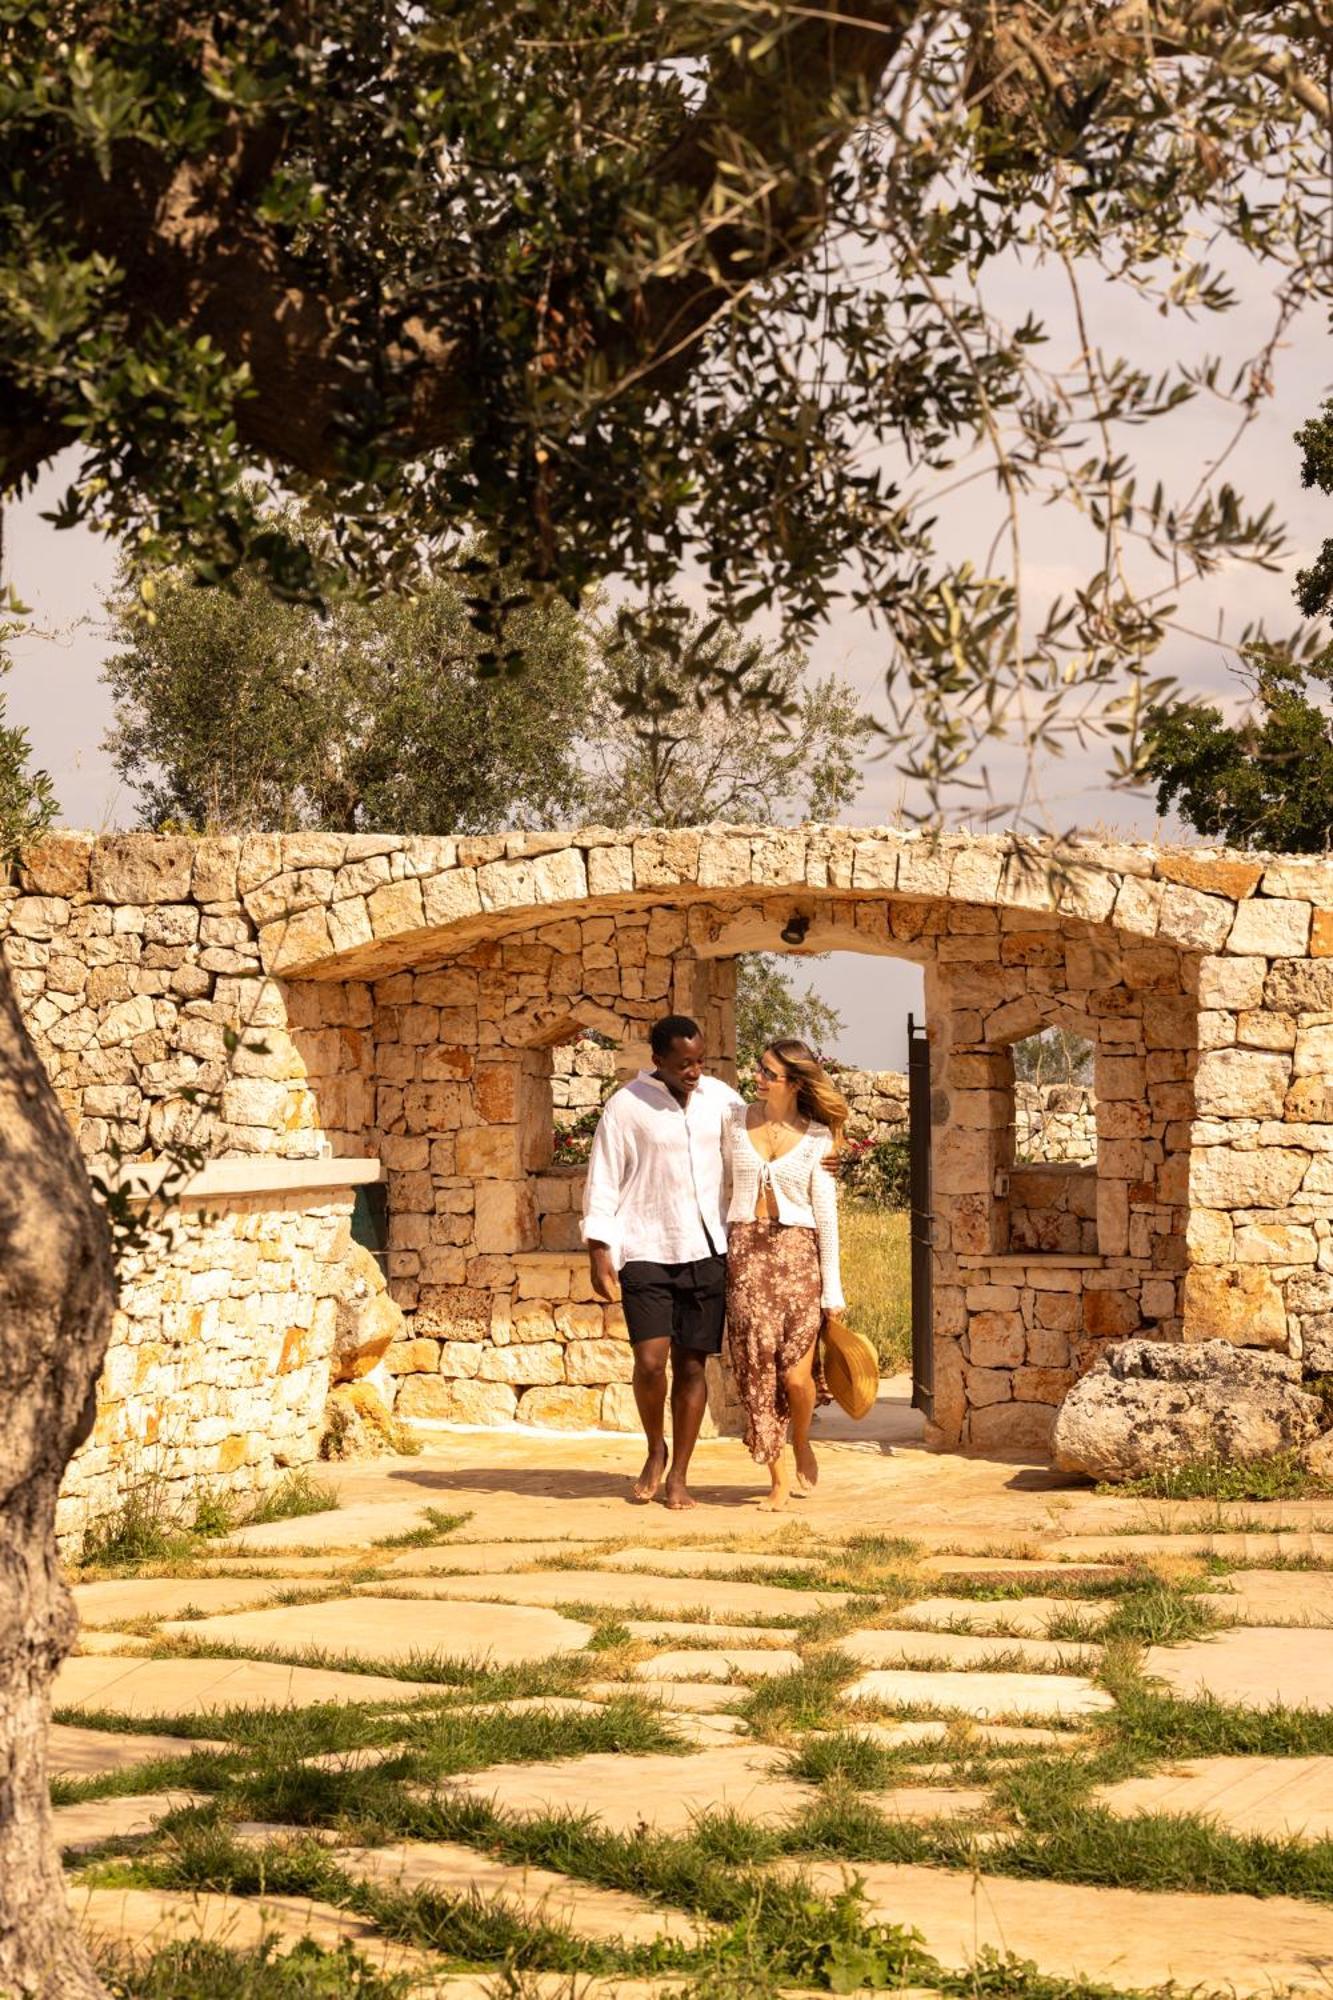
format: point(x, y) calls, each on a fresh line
point(983, 1695)
point(888, 1647)
point(609, 1590)
point(73, 1752)
point(1259, 1665)
point(147, 1919)
point(1022, 1617)
point(398, 1628)
point(540, 1893)
point(1279, 1797)
point(926, 1528)
point(665, 1793)
point(118, 1600)
point(194, 1687)
point(743, 1663)
point(1276, 1597)
point(126, 1816)
point(1124, 1937)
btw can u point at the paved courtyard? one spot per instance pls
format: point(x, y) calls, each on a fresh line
point(494, 1729)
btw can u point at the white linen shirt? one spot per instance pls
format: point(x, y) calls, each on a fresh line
point(655, 1189)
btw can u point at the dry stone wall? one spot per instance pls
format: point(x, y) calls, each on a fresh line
point(365, 1005)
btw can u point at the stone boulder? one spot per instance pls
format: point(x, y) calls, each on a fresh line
point(368, 1320)
point(1149, 1404)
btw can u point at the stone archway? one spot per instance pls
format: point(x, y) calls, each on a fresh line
point(399, 983)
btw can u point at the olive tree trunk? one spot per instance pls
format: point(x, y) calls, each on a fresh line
point(57, 1290)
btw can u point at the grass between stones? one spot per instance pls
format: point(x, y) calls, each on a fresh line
point(436, 1528)
point(148, 1527)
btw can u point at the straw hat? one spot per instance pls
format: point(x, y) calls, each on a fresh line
point(851, 1367)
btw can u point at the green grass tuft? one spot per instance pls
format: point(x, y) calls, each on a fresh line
point(296, 1495)
point(1281, 1476)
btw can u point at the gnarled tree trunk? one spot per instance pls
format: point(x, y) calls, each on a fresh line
point(57, 1291)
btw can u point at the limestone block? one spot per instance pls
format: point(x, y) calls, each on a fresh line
point(349, 923)
point(58, 865)
point(446, 1399)
point(561, 1409)
point(1314, 1052)
point(1138, 905)
point(1310, 1101)
point(664, 859)
point(126, 1021)
point(582, 1322)
point(368, 1322)
point(1238, 1303)
point(1215, 874)
point(396, 907)
point(619, 1412)
point(1241, 1083)
point(293, 943)
point(1011, 1427)
point(1321, 934)
point(1272, 926)
point(1257, 1028)
point(1120, 1077)
point(526, 1361)
point(1308, 880)
point(413, 1357)
point(995, 1339)
point(1194, 921)
point(462, 1358)
point(611, 870)
point(489, 1152)
point(1300, 986)
point(1275, 1243)
point(1150, 1404)
point(598, 1361)
point(1109, 1315)
point(964, 1161)
point(450, 898)
point(988, 1385)
point(455, 1312)
point(1221, 1177)
point(140, 868)
point(1209, 1235)
point(506, 1217)
point(778, 859)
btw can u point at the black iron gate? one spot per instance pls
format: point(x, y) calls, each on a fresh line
point(923, 1316)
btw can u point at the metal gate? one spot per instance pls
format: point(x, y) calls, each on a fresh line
point(920, 1235)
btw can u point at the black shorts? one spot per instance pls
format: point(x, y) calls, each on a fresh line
point(686, 1303)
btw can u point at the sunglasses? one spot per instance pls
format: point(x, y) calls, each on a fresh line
point(773, 1075)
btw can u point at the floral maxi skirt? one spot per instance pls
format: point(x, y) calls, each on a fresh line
point(773, 1318)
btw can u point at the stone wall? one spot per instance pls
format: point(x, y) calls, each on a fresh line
point(400, 1006)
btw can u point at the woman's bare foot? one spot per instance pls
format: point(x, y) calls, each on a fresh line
point(779, 1492)
point(807, 1468)
point(654, 1466)
point(676, 1495)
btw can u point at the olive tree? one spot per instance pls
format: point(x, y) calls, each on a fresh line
point(609, 288)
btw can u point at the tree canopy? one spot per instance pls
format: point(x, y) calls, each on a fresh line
point(621, 287)
point(236, 711)
point(27, 796)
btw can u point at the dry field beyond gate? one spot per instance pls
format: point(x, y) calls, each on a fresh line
point(486, 1728)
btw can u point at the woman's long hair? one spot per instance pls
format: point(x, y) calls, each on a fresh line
point(817, 1096)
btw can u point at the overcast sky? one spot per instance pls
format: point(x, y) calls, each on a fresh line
point(56, 693)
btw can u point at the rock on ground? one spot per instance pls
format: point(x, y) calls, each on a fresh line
point(1150, 1403)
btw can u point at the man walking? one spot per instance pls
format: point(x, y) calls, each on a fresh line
point(653, 1209)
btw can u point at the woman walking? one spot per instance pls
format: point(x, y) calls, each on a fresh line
point(782, 1254)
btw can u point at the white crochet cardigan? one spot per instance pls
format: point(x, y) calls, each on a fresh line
point(802, 1188)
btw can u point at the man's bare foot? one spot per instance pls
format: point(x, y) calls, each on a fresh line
point(676, 1496)
point(654, 1466)
point(807, 1470)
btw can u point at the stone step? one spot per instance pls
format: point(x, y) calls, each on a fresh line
point(1276, 1597)
point(685, 1631)
point(118, 1600)
point(1123, 1938)
point(668, 1596)
point(685, 1695)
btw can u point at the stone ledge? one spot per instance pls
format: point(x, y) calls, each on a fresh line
point(254, 1174)
point(1046, 1260)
